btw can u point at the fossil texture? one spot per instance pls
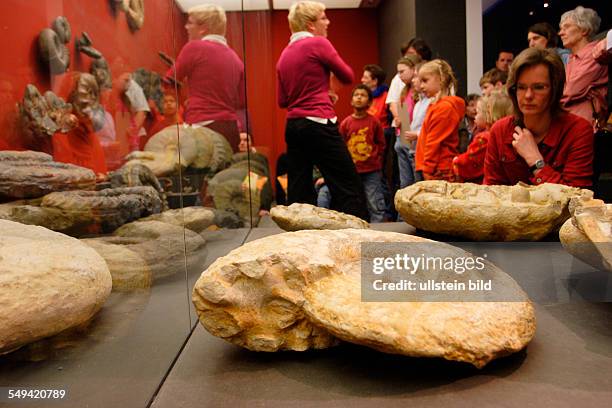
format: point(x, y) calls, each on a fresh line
point(301, 290)
point(486, 213)
point(49, 282)
point(34, 174)
point(305, 216)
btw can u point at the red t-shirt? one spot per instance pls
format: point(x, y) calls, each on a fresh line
point(80, 147)
point(567, 152)
point(365, 141)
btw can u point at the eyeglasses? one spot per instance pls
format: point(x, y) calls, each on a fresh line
point(535, 88)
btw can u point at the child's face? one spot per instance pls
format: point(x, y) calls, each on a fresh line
point(405, 73)
point(470, 109)
point(360, 99)
point(169, 105)
point(479, 120)
point(487, 88)
point(430, 84)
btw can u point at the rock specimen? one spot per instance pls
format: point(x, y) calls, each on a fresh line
point(51, 218)
point(41, 116)
point(53, 52)
point(588, 234)
point(486, 213)
point(128, 270)
point(292, 291)
point(34, 174)
point(229, 193)
point(162, 246)
point(49, 282)
point(110, 208)
point(472, 332)
point(197, 219)
point(305, 216)
point(136, 174)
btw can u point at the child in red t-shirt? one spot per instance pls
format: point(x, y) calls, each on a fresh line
point(364, 137)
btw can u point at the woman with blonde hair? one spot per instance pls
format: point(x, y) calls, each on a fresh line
point(312, 137)
point(469, 166)
point(438, 141)
point(214, 74)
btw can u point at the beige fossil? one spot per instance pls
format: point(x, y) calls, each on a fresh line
point(588, 234)
point(300, 290)
point(299, 216)
point(49, 282)
point(487, 213)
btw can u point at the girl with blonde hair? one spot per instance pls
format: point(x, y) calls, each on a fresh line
point(469, 166)
point(438, 141)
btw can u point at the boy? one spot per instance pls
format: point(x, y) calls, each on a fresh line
point(493, 80)
point(364, 137)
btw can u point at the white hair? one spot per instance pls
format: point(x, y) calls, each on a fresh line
point(584, 18)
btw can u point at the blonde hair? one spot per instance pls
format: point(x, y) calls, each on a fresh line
point(496, 106)
point(302, 13)
point(441, 68)
point(211, 16)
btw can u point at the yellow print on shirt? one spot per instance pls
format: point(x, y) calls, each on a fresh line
point(358, 145)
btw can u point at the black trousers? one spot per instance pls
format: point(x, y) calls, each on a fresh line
point(313, 144)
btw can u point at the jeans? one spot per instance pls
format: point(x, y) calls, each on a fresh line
point(405, 160)
point(375, 199)
point(324, 197)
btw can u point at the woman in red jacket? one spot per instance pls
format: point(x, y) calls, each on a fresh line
point(438, 141)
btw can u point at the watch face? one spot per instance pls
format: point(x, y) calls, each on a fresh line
point(539, 164)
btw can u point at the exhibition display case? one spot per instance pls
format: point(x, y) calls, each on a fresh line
point(111, 207)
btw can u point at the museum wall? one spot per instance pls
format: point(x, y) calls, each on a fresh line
point(396, 25)
point(22, 21)
point(442, 24)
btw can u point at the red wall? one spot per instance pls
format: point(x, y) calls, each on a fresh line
point(22, 21)
point(266, 33)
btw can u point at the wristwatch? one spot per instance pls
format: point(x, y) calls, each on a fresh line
point(537, 165)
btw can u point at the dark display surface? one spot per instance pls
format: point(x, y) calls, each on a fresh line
point(123, 356)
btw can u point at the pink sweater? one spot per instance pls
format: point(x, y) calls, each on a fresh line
point(215, 76)
point(303, 77)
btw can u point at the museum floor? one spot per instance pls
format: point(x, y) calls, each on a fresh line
point(148, 350)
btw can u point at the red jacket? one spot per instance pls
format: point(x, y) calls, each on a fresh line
point(438, 141)
point(469, 166)
point(567, 152)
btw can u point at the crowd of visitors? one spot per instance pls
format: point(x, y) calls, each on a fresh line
point(536, 120)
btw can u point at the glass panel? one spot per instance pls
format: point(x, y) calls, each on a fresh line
point(92, 144)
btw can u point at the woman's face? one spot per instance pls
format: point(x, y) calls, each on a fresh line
point(570, 33)
point(430, 84)
point(319, 26)
point(536, 40)
point(533, 90)
point(195, 31)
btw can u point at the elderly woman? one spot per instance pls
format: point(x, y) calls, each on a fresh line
point(586, 79)
point(311, 134)
point(540, 143)
point(214, 72)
